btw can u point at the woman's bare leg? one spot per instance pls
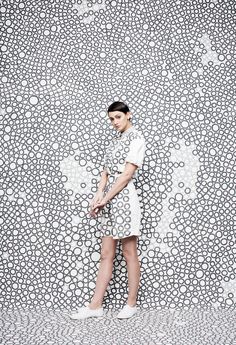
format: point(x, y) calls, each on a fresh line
point(129, 248)
point(105, 271)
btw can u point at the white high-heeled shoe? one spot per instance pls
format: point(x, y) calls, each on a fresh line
point(85, 312)
point(127, 312)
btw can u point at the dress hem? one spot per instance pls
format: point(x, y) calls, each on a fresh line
point(120, 238)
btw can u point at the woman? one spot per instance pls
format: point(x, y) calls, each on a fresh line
point(117, 200)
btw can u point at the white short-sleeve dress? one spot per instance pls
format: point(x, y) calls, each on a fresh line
point(121, 216)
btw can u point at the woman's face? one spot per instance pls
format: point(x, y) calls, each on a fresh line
point(119, 120)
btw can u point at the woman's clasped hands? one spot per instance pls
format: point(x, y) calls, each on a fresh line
point(97, 203)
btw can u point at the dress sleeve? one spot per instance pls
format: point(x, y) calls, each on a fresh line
point(137, 151)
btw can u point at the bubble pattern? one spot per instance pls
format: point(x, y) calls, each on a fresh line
point(155, 327)
point(63, 63)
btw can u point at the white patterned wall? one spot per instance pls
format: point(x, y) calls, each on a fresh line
point(63, 63)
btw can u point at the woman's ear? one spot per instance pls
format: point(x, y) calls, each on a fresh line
point(129, 115)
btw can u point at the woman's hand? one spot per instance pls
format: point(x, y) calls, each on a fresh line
point(97, 207)
point(97, 199)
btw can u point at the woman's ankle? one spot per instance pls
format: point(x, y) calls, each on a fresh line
point(131, 304)
point(95, 305)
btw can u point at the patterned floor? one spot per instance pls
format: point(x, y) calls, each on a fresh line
point(155, 327)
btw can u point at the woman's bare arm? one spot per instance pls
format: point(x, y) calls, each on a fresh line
point(99, 193)
point(103, 181)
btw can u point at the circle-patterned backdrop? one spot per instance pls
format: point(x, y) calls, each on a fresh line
point(63, 62)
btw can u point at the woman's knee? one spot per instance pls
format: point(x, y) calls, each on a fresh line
point(130, 254)
point(107, 255)
point(129, 248)
point(108, 249)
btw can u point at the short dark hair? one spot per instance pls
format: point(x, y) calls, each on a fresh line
point(118, 106)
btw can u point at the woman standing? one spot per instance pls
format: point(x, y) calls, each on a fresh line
point(117, 200)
